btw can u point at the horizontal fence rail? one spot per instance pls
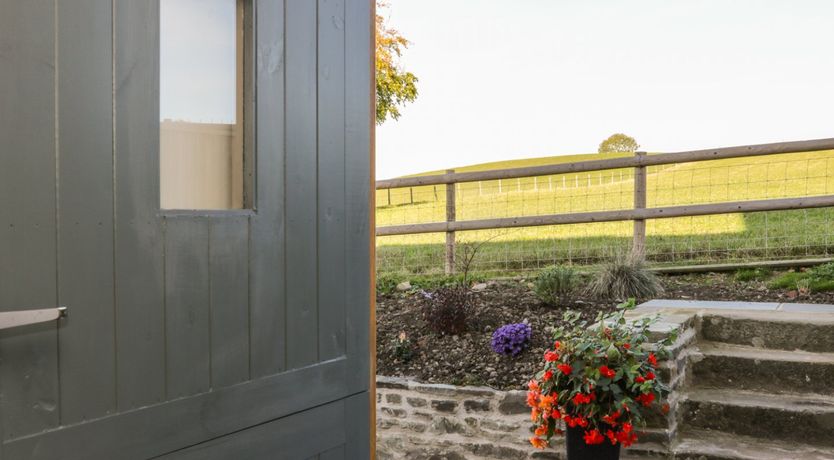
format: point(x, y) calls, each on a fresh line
point(639, 213)
point(613, 163)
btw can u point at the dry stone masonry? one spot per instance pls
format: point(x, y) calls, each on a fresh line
point(749, 382)
point(418, 421)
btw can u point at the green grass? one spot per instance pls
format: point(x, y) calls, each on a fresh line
point(781, 234)
point(753, 274)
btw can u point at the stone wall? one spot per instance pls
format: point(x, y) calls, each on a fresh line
point(417, 421)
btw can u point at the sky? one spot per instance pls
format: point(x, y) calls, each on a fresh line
point(197, 61)
point(505, 79)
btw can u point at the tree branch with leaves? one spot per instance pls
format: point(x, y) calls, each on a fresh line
point(394, 86)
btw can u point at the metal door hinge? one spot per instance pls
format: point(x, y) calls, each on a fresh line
point(10, 319)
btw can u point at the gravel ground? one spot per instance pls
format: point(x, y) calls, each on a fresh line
point(467, 359)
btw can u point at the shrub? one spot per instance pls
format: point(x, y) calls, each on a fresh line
point(402, 347)
point(386, 283)
point(447, 309)
point(624, 277)
point(511, 339)
point(811, 281)
point(752, 274)
point(554, 285)
point(600, 379)
point(824, 272)
point(787, 280)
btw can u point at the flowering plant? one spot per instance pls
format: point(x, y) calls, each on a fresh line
point(511, 339)
point(598, 379)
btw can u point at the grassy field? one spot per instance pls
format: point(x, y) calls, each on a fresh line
point(778, 234)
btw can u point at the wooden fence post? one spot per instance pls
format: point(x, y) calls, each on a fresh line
point(450, 217)
point(638, 247)
point(411, 193)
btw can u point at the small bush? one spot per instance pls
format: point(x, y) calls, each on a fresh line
point(511, 339)
point(386, 283)
point(447, 309)
point(787, 280)
point(810, 281)
point(402, 347)
point(623, 278)
point(556, 284)
point(824, 272)
point(752, 274)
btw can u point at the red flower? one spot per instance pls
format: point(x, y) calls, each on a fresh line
point(627, 346)
point(564, 368)
point(605, 371)
point(626, 438)
point(640, 379)
point(611, 437)
point(611, 419)
point(652, 359)
point(593, 437)
point(573, 422)
point(557, 344)
point(555, 414)
point(538, 443)
point(645, 399)
point(532, 399)
point(627, 427)
point(533, 385)
point(650, 375)
point(547, 375)
point(580, 398)
point(551, 356)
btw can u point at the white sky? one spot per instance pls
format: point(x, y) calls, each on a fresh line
point(503, 79)
point(197, 60)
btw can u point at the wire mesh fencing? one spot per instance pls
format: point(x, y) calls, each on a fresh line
point(699, 239)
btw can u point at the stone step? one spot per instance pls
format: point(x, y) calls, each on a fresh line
point(804, 419)
point(721, 365)
point(773, 330)
point(713, 445)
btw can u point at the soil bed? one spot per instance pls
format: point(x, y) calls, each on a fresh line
point(467, 359)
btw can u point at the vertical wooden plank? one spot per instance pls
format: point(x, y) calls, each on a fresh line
point(301, 184)
point(139, 280)
point(638, 248)
point(28, 356)
point(450, 217)
point(266, 261)
point(229, 281)
point(359, 434)
point(85, 209)
point(331, 178)
point(337, 453)
point(187, 306)
point(359, 243)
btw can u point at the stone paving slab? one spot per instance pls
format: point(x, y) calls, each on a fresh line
point(806, 308)
point(734, 305)
point(713, 304)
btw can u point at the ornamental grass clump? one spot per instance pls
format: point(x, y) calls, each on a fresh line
point(555, 285)
point(511, 339)
point(624, 277)
point(598, 379)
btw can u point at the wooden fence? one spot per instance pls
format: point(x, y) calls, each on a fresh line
point(639, 213)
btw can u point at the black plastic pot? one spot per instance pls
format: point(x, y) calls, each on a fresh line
point(578, 450)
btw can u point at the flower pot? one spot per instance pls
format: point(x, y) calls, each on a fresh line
point(578, 450)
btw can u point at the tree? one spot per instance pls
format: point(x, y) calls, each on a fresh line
point(619, 143)
point(394, 86)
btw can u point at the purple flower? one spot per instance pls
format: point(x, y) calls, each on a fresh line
point(511, 339)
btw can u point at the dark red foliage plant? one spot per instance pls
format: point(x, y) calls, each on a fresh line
point(447, 310)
